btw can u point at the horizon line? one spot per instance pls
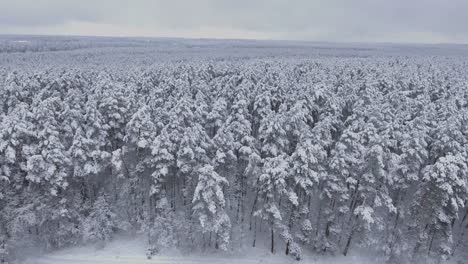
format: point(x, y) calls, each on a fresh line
point(402, 43)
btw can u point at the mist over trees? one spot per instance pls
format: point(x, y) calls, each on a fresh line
point(324, 154)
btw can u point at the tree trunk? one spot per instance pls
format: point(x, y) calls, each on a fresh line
point(255, 234)
point(464, 217)
point(319, 216)
point(209, 242)
point(329, 222)
point(393, 235)
point(460, 240)
point(419, 244)
point(348, 243)
point(272, 241)
point(204, 241)
point(290, 227)
point(430, 242)
point(238, 207)
point(327, 229)
point(253, 210)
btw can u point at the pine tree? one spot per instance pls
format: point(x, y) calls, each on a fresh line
point(48, 163)
point(161, 229)
point(85, 156)
point(442, 195)
point(272, 188)
point(209, 205)
point(100, 225)
point(163, 152)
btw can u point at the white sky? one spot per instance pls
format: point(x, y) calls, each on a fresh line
point(423, 21)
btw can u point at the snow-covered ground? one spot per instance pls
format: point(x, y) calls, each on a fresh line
point(132, 251)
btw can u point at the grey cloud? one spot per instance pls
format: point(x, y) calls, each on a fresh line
point(46, 12)
point(340, 20)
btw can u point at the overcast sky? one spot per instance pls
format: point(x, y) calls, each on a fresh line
point(428, 21)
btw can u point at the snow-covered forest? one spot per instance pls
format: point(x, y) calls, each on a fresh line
point(211, 146)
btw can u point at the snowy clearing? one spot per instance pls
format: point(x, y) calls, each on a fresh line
point(132, 252)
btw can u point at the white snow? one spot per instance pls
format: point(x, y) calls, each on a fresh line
point(132, 251)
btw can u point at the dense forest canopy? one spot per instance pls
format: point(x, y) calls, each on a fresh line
point(298, 148)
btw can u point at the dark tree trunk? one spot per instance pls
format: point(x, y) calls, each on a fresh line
point(290, 226)
point(348, 243)
point(272, 241)
point(255, 233)
point(394, 234)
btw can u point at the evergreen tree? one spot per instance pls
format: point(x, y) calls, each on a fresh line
point(209, 205)
point(100, 225)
